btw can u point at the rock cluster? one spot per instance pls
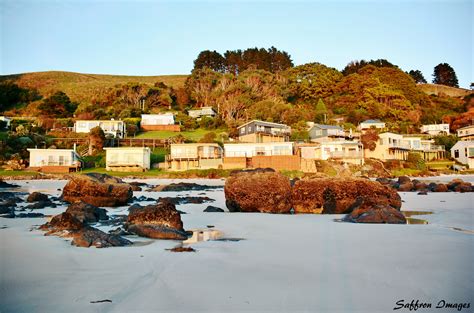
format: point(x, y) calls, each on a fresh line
point(98, 190)
point(87, 213)
point(159, 221)
point(404, 183)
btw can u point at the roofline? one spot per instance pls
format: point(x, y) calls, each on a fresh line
point(48, 149)
point(277, 124)
point(98, 121)
point(125, 148)
point(465, 127)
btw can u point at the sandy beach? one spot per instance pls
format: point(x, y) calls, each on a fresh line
point(284, 263)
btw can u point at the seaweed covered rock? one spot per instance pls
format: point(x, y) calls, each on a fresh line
point(86, 212)
point(37, 196)
point(380, 214)
point(341, 195)
point(159, 221)
point(98, 190)
point(258, 191)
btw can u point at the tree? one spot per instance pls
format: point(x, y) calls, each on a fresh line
point(321, 112)
point(444, 74)
point(355, 66)
point(96, 140)
point(369, 139)
point(11, 95)
point(210, 59)
point(58, 105)
point(417, 76)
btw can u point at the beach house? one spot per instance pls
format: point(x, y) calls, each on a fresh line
point(321, 132)
point(127, 159)
point(188, 156)
point(435, 129)
point(259, 131)
point(368, 124)
point(162, 121)
point(54, 160)
point(463, 152)
point(466, 133)
point(114, 128)
point(202, 112)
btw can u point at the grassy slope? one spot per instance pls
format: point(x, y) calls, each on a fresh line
point(82, 87)
point(191, 135)
point(434, 89)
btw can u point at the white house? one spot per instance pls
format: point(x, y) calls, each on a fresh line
point(466, 133)
point(256, 149)
point(463, 152)
point(157, 119)
point(115, 128)
point(204, 111)
point(54, 158)
point(127, 159)
point(435, 129)
point(377, 124)
point(6, 120)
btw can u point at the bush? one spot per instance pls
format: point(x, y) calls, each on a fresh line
point(416, 161)
point(208, 138)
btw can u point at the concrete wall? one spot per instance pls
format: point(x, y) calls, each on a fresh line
point(173, 128)
point(234, 163)
point(277, 162)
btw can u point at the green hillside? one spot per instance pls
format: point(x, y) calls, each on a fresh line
point(83, 87)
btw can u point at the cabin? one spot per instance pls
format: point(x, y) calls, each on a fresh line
point(188, 156)
point(54, 160)
point(259, 132)
point(466, 133)
point(114, 128)
point(276, 155)
point(368, 124)
point(463, 152)
point(320, 132)
point(341, 150)
point(202, 112)
point(127, 159)
point(435, 129)
point(163, 121)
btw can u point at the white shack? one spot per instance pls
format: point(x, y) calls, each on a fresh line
point(157, 119)
point(110, 127)
point(463, 152)
point(255, 149)
point(63, 160)
point(127, 159)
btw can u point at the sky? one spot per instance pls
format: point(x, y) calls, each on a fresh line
point(165, 37)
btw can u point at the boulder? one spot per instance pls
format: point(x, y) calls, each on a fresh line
point(28, 215)
point(258, 191)
point(439, 188)
point(384, 180)
point(406, 187)
point(183, 187)
point(213, 209)
point(4, 184)
point(98, 190)
point(67, 225)
point(37, 196)
point(185, 200)
point(41, 205)
point(420, 186)
point(403, 180)
point(159, 221)
point(87, 212)
point(341, 195)
point(463, 187)
point(381, 214)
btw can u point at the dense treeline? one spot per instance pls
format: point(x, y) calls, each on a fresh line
point(264, 84)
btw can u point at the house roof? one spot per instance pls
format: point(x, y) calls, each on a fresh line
point(109, 121)
point(127, 148)
point(159, 114)
point(372, 122)
point(270, 124)
point(466, 127)
point(463, 144)
point(323, 126)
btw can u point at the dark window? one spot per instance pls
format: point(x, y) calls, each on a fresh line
point(456, 153)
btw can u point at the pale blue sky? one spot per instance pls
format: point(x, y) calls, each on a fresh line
point(164, 37)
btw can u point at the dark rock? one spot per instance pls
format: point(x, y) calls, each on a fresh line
point(341, 195)
point(40, 205)
point(143, 198)
point(463, 187)
point(4, 184)
point(403, 180)
point(119, 232)
point(380, 214)
point(213, 209)
point(183, 187)
point(13, 196)
point(134, 207)
point(384, 180)
point(258, 191)
point(185, 200)
point(89, 236)
point(182, 249)
point(87, 212)
point(135, 188)
point(406, 187)
point(160, 221)
point(98, 190)
point(37, 196)
point(6, 209)
point(423, 193)
point(28, 215)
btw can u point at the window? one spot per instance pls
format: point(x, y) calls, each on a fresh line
point(471, 152)
point(456, 153)
point(260, 150)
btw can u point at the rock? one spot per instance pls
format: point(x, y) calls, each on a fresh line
point(463, 187)
point(29, 215)
point(252, 171)
point(423, 193)
point(341, 195)
point(403, 180)
point(37, 196)
point(420, 186)
point(439, 188)
point(4, 184)
point(183, 187)
point(142, 198)
point(87, 213)
point(182, 249)
point(406, 186)
point(159, 221)
point(41, 205)
point(185, 200)
point(213, 209)
point(6, 209)
point(381, 214)
point(66, 225)
point(134, 207)
point(98, 190)
point(258, 191)
point(384, 180)
point(119, 232)
point(135, 187)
